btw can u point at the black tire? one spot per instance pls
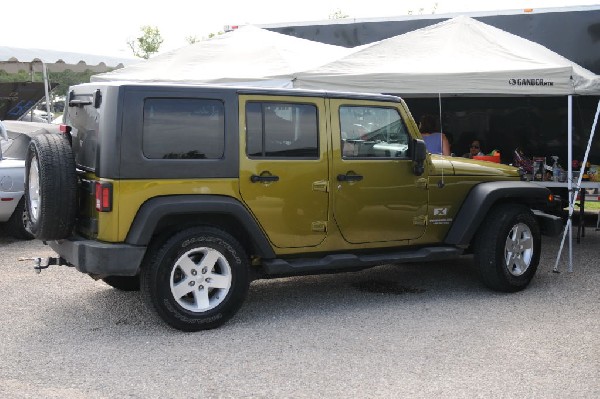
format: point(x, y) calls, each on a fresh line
point(50, 187)
point(507, 248)
point(123, 283)
point(18, 224)
point(209, 294)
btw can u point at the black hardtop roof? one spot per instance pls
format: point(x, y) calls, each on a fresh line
point(253, 90)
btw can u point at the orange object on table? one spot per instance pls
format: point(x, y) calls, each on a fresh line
point(489, 158)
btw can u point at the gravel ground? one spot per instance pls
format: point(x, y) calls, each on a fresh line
point(428, 330)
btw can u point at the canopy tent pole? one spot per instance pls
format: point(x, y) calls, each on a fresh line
point(46, 87)
point(573, 192)
point(440, 105)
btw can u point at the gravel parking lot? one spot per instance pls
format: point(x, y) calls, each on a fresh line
point(418, 330)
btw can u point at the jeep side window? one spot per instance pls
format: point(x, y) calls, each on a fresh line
point(372, 132)
point(183, 128)
point(281, 130)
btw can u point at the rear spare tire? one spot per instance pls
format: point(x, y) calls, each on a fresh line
point(50, 187)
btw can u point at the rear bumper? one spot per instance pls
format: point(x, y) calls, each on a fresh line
point(94, 257)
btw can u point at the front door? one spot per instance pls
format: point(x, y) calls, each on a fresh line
point(377, 197)
point(284, 167)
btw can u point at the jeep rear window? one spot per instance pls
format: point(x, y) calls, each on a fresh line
point(183, 128)
point(281, 130)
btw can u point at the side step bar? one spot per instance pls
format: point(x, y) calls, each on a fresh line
point(340, 262)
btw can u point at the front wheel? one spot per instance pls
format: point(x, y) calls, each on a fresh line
point(197, 280)
point(507, 248)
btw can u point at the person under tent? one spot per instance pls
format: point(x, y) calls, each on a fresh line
point(436, 142)
point(474, 149)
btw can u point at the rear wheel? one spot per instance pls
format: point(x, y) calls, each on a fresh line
point(197, 280)
point(18, 224)
point(50, 187)
point(507, 248)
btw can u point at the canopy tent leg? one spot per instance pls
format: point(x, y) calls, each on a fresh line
point(573, 192)
point(46, 88)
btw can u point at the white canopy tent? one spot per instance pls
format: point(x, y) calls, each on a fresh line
point(458, 56)
point(248, 55)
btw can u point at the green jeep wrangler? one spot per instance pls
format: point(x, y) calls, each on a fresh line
point(190, 192)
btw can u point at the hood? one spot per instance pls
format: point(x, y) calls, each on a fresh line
point(468, 167)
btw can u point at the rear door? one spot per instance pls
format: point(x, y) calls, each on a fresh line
point(284, 167)
point(377, 197)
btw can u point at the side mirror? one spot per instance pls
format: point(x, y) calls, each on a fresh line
point(419, 155)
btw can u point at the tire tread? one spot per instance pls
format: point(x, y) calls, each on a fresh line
point(155, 258)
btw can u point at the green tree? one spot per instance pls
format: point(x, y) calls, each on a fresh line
point(338, 14)
point(21, 76)
point(421, 10)
point(147, 44)
point(212, 34)
point(192, 39)
point(68, 78)
point(64, 79)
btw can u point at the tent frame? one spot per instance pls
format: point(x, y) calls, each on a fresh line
point(573, 191)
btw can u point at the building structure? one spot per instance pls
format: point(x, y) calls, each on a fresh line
point(13, 60)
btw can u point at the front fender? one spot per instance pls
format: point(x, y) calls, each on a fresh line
point(483, 196)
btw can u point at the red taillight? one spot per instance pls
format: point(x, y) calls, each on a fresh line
point(103, 197)
point(65, 128)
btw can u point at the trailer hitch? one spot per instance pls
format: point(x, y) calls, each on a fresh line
point(50, 261)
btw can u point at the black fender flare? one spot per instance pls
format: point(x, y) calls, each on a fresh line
point(483, 196)
point(155, 209)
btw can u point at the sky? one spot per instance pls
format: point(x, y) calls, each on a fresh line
point(105, 27)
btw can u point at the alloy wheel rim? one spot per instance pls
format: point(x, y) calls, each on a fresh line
point(518, 250)
point(200, 279)
point(34, 190)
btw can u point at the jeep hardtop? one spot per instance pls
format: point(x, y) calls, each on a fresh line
point(190, 192)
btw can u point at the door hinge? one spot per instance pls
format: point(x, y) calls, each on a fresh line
point(422, 183)
point(321, 185)
point(319, 226)
point(420, 220)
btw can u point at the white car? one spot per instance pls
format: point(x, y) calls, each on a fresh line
point(14, 139)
